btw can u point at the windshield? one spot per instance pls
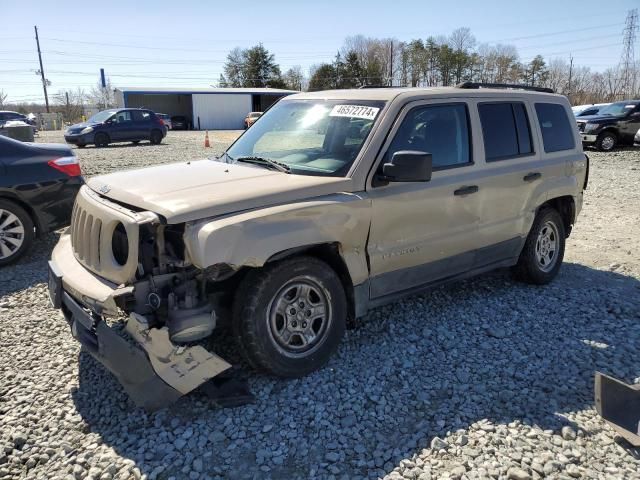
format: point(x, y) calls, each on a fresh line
point(311, 137)
point(619, 109)
point(102, 116)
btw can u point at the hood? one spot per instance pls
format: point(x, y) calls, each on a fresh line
point(598, 118)
point(81, 125)
point(182, 192)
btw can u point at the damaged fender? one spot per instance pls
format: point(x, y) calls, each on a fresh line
point(251, 238)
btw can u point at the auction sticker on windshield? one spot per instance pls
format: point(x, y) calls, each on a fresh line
point(354, 111)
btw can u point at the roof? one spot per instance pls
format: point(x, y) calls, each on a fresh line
point(187, 90)
point(386, 94)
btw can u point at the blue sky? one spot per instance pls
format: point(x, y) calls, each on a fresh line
point(183, 43)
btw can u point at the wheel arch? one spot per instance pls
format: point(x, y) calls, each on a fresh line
point(566, 206)
point(35, 218)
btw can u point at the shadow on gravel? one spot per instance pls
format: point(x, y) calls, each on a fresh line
point(31, 268)
point(486, 348)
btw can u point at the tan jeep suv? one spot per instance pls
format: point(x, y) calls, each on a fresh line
point(335, 202)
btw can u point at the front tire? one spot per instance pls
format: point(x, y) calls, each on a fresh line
point(16, 232)
point(101, 140)
point(290, 316)
point(606, 141)
point(543, 251)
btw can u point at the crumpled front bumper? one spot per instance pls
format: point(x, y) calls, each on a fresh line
point(153, 371)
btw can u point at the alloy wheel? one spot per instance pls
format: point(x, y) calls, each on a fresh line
point(299, 316)
point(11, 234)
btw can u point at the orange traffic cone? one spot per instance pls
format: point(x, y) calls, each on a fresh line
point(206, 140)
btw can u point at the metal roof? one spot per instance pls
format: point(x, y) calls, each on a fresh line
point(161, 90)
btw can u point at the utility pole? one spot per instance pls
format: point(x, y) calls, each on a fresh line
point(390, 62)
point(627, 59)
point(570, 73)
point(44, 81)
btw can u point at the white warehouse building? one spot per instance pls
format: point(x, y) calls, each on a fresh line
point(204, 108)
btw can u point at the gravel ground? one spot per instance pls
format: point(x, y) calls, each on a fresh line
point(483, 378)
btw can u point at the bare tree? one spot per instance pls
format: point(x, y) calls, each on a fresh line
point(71, 104)
point(102, 98)
point(3, 99)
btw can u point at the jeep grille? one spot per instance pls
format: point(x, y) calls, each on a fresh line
point(104, 237)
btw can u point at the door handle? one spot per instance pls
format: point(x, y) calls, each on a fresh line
point(530, 177)
point(466, 190)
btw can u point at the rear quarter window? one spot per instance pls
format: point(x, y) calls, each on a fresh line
point(557, 130)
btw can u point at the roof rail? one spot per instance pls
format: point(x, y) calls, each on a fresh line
point(503, 85)
point(377, 86)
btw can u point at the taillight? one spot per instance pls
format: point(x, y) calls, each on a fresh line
point(159, 121)
point(67, 165)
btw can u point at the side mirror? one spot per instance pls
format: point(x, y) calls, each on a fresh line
point(408, 166)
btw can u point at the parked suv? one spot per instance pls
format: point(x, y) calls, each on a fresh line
point(117, 125)
point(334, 203)
point(614, 125)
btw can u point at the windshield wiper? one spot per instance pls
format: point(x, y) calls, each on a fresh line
point(267, 162)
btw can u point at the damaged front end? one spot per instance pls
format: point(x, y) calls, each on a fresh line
point(114, 261)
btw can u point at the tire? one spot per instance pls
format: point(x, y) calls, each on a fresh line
point(101, 139)
point(135, 142)
point(16, 232)
point(271, 311)
point(81, 145)
point(606, 141)
point(156, 137)
point(537, 264)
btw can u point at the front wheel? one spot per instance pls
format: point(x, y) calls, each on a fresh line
point(543, 251)
point(290, 316)
point(606, 141)
point(101, 140)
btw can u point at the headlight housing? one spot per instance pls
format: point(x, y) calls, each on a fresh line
point(90, 129)
point(590, 127)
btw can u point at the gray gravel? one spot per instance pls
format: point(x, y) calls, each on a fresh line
point(485, 378)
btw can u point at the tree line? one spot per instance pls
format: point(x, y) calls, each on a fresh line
point(432, 61)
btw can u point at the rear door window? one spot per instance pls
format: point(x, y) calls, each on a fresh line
point(505, 129)
point(141, 116)
point(557, 131)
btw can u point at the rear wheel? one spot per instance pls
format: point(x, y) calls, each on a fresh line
point(135, 142)
point(290, 316)
point(81, 145)
point(101, 140)
point(156, 137)
point(606, 141)
point(16, 232)
point(543, 251)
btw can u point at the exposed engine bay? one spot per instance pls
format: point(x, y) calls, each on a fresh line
point(128, 261)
